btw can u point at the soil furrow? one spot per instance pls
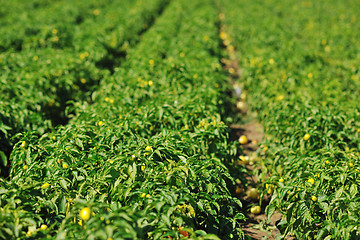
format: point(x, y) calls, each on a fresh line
point(256, 226)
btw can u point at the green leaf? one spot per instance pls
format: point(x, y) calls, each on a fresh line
point(3, 159)
point(239, 216)
point(289, 211)
point(353, 190)
point(269, 211)
point(63, 183)
point(79, 143)
point(339, 192)
point(4, 128)
point(329, 237)
point(62, 205)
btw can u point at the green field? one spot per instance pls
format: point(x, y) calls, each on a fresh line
point(116, 119)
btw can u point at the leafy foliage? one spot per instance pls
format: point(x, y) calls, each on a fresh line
point(147, 154)
point(300, 72)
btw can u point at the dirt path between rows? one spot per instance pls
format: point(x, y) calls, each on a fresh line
point(256, 226)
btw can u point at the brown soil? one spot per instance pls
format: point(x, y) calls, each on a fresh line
point(257, 231)
point(256, 226)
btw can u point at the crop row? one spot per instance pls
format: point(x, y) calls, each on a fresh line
point(26, 29)
point(44, 79)
point(300, 69)
point(147, 158)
